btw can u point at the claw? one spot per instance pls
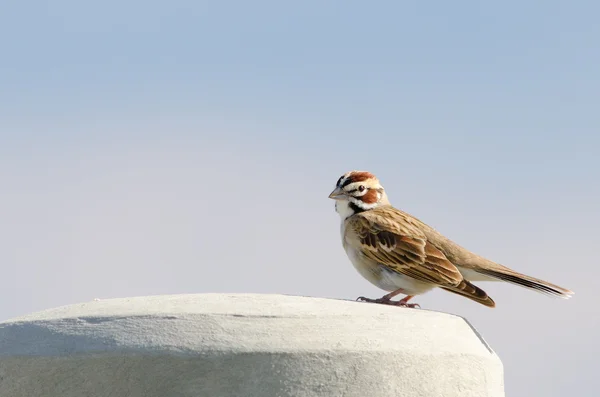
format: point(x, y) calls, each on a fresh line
point(403, 304)
point(384, 301)
point(379, 300)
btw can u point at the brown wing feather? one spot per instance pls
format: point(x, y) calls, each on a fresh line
point(471, 291)
point(386, 236)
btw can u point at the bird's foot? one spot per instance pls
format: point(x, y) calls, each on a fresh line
point(369, 300)
point(404, 304)
point(388, 301)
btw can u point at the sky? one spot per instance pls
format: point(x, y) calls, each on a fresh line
point(187, 147)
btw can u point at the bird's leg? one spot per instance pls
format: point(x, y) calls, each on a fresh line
point(404, 302)
point(387, 300)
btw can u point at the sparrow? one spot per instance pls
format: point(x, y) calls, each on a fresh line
point(402, 255)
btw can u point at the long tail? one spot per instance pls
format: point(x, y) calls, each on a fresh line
point(511, 276)
point(471, 291)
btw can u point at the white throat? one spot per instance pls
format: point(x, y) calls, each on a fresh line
point(343, 208)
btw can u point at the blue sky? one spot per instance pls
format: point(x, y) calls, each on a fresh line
point(135, 135)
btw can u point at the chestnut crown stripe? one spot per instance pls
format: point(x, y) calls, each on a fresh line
point(357, 177)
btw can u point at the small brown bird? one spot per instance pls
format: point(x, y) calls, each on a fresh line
point(400, 254)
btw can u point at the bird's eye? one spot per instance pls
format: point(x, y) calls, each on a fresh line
point(361, 188)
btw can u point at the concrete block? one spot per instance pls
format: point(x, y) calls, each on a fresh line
point(244, 345)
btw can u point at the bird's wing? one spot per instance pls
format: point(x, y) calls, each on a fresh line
point(389, 237)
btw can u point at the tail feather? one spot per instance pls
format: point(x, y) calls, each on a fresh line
point(473, 292)
point(529, 282)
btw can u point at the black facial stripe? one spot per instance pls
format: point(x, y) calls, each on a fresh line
point(339, 180)
point(347, 182)
point(356, 208)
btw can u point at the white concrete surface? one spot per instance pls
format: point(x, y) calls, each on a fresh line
point(243, 345)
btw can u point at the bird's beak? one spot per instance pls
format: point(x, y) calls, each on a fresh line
point(338, 194)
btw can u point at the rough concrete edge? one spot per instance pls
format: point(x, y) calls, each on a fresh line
point(22, 319)
point(478, 334)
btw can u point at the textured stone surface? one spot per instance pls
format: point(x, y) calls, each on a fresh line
point(243, 345)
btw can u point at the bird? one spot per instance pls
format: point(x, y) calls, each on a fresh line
point(400, 254)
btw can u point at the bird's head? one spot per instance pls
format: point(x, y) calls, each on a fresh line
point(357, 191)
